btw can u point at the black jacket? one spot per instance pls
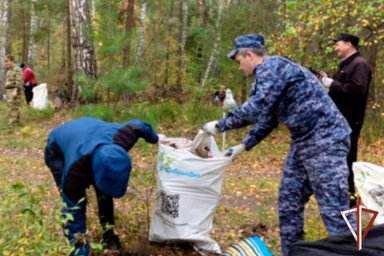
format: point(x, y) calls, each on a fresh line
point(349, 89)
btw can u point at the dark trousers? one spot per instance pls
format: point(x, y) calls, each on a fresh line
point(55, 164)
point(352, 155)
point(28, 93)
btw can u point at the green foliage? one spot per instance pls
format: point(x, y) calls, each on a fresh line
point(121, 80)
point(32, 223)
point(101, 111)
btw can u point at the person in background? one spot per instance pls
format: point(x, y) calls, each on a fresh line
point(87, 151)
point(220, 96)
point(348, 88)
point(13, 85)
point(29, 82)
point(285, 92)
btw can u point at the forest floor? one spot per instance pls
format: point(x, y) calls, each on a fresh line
point(248, 202)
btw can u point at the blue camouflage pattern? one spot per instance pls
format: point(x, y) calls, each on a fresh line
point(254, 41)
point(284, 92)
point(326, 176)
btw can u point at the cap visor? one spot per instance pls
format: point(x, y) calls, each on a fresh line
point(232, 54)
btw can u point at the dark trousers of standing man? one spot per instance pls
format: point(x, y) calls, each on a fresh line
point(352, 157)
point(28, 93)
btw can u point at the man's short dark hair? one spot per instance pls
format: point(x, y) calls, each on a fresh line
point(10, 57)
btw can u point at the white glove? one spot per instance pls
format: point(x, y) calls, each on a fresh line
point(235, 151)
point(162, 137)
point(327, 82)
point(210, 128)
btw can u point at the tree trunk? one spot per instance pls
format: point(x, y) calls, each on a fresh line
point(81, 34)
point(3, 41)
point(32, 44)
point(202, 12)
point(168, 48)
point(8, 36)
point(183, 11)
point(49, 42)
point(215, 50)
point(24, 31)
point(129, 24)
point(68, 64)
point(202, 20)
point(140, 45)
point(370, 54)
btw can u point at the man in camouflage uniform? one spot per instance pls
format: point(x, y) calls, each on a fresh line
point(13, 86)
point(283, 91)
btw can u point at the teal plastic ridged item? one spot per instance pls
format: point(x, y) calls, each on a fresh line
point(251, 246)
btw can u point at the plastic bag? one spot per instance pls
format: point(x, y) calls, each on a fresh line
point(40, 96)
point(251, 246)
point(188, 191)
point(369, 181)
point(229, 102)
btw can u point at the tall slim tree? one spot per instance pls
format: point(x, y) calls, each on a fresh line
point(3, 40)
point(215, 50)
point(25, 24)
point(183, 15)
point(81, 35)
point(129, 25)
point(32, 44)
point(140, 44)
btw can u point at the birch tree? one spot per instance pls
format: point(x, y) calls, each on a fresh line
point(3, 41)
point(32, 44)
point(140, 45)
point(215, 50)
point(81, 30)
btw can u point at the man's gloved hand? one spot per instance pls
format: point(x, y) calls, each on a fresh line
point(235, 151)
point(210, 127)
point(162, 137)
point(327, 82)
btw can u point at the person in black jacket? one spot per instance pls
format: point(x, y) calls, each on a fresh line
point(87, 151)
point(349, 90)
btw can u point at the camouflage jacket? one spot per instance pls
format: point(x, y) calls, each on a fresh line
point(283, 91)
point(14, 78)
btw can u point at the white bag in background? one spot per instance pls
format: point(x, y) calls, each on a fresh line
point(40, 96)
point(188, 191)
point(369, 181)
point(229, 102)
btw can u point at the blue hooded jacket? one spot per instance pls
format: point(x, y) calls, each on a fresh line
point(89, 151)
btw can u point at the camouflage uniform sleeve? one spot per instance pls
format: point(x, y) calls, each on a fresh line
point(261, 108)
point(14, 79)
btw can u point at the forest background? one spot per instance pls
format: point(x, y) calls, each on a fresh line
point(161, 61)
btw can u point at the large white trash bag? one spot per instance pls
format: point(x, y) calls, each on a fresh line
point(40, 96)
point(369, 181)
point(188, 191)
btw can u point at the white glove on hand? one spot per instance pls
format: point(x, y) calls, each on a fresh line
point(161, 138)
point(210, 128)
point(327, 82)
point(235, 151)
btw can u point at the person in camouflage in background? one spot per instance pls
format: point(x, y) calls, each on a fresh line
point(283, 91)
point(13, 86)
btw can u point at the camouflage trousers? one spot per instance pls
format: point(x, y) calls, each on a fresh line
point(13, 105)
point(326, 176)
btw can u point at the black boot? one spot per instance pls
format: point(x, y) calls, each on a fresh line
point(111, 240)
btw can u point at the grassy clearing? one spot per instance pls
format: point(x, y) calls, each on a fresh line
point(248, 204)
